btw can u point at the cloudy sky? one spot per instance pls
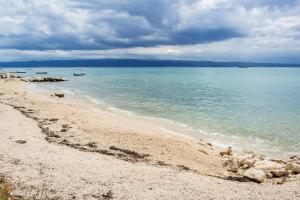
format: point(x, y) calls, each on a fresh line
point(219, 30)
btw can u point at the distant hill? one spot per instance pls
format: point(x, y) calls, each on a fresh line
point(137, 63)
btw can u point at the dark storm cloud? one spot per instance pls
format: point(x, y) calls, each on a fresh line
point(211, 28)
point(102, 25)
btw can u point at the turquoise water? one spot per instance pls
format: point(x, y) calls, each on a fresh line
point(253, 107)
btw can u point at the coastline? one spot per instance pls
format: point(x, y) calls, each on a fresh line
point(70, 123)
point(109, 129)
point(168, 126)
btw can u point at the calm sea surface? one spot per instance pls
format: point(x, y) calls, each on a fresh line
point(250, 108)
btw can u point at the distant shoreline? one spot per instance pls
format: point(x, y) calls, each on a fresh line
point(138, 63)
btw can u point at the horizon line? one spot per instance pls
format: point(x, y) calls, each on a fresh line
point(140, 59)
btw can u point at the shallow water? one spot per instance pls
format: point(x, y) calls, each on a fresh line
point(250, 108)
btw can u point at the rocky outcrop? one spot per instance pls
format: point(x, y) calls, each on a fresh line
point(6, 75)
point(43, 79)
point(258, 168)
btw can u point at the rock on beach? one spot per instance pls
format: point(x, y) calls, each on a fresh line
point(43, 79)
point(256, 175)
point(59, 94)
point(293, 167)
point(226, 152)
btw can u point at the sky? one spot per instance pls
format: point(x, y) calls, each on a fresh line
point(216, 30)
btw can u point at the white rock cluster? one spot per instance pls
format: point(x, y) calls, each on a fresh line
point(6, 75)
point(258, 168)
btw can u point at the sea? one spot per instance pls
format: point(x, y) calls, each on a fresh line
point(247, 108)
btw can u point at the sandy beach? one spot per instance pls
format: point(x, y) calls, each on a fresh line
point(69, 149)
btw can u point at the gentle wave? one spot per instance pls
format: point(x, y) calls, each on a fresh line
point(181, 129)
point(184, 130)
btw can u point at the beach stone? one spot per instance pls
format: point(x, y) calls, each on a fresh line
point(231, 165)
point(209, 144)
point(279, 172)
point(295, 159)
point(269, 175)
point(226, 152)
point(293, 167)
point(21, 141)
point(267, 165)
point(255, 174)
point(248, 158)
point(108, 195)
point(60, 94)
point(43, 79)
point(91, 144)
point(246, 163)
point(7, 75)
point(290, 172)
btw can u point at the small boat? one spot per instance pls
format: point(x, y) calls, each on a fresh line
point(79, 74)
point(18, 72)
point(41, 72)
